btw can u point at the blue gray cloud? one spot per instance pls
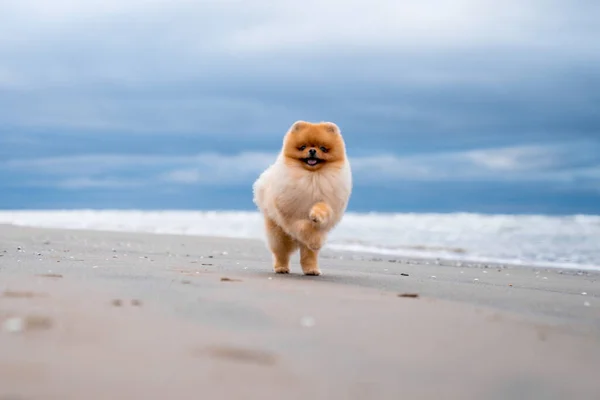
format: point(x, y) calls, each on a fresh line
point(110, 95)
point(250, 67)
point(565, 164)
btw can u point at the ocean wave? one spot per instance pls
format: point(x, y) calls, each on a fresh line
point(566, 241)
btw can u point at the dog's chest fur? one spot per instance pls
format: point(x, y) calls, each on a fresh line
point(300, 194)
point(295, 190)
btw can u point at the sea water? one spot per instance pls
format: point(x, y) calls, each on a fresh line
point(547, 241)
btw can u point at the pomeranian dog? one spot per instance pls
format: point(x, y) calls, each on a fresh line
point(304, 193)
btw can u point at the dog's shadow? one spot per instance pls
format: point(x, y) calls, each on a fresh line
point(332, 278)
point(296, 276)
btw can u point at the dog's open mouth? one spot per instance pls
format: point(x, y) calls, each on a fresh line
point(312, 161)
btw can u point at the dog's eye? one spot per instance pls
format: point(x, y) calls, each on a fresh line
point(324, 149)
point(301, 148)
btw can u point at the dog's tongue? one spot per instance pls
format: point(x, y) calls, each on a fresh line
point(312, 161)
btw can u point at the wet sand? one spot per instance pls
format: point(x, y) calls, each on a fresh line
point(99, 315)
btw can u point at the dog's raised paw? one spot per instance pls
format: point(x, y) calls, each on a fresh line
point(319, 213)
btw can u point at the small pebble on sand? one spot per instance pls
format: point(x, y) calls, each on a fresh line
point(13, 325)
point(226, 279)
point(409, 295)
point(37, 322)
point(50, 275)
point(22, 294)
point(583, 293)
point(32, 322)
point(307, 322)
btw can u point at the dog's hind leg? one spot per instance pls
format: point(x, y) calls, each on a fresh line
point(281, 245)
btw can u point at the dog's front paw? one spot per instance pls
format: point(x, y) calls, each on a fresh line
point(319, 213)
point(281, 269)
point(312, 271)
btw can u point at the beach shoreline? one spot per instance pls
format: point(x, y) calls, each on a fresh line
point(559, 242)
point(159, 316)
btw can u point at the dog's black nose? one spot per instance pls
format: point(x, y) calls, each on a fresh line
point(312, 152)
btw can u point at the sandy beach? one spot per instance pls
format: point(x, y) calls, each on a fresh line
point(103, 315)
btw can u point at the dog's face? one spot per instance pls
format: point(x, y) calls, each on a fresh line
point(314, 146)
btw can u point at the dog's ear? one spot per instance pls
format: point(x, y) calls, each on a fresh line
point(298, 125)
point(331, 127)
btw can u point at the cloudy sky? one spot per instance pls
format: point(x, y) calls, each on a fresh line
point(458, 105)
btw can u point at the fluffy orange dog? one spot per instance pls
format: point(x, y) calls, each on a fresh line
point(304, 193)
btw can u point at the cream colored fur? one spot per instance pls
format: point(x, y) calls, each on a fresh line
point(286, 193)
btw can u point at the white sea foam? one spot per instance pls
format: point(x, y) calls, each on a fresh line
point(549, 241)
